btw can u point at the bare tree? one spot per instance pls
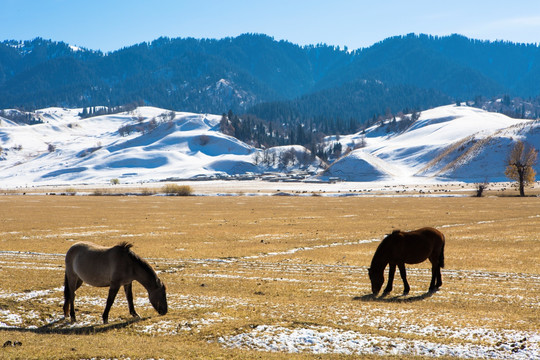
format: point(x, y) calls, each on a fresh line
point(257, 157)
point(520, 164)
point(480, 188)
point(287, 157)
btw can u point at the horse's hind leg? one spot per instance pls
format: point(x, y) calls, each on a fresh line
point(391, 272)
point(129, 296)
point(71, 284)
point(436, 263)
point(439, 277)
point(403, 273)
point(436, 281)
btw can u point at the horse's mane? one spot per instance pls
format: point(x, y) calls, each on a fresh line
point(382, 248)
point(126, 246)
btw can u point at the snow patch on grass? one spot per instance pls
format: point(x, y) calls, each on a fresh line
point(324, 340)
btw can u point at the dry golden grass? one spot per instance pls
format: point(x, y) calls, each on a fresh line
point(234, 264)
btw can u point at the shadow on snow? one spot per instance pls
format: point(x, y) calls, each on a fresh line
point(58, 327)
point(395, 299)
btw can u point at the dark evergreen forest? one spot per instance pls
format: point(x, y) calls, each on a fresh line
point(291, 92)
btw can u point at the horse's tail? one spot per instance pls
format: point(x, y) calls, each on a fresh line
point(441, 255)
point(66, 296)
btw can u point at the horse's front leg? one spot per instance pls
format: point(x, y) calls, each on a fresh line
point(129, 296)
point(403, 273)
point(391, 272)
point(113, 290)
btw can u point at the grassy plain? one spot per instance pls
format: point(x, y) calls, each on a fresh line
point(246, 274)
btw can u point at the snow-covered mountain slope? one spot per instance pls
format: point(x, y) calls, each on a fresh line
point(455, 143)
point(447, 143)
point(147, 144)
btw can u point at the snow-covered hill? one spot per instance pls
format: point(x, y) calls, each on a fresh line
point(447, 143)
point(148, 144)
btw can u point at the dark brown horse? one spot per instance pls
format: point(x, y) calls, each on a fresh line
point(113, 267)
point(400, 248)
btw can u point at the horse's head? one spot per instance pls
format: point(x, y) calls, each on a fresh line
point(377, 280)
point(158, 298)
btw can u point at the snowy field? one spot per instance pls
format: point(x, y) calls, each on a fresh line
point(252, 277)
point(388, 330)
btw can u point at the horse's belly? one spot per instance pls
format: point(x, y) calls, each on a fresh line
point(96, 283)
point(92, 276)
point(413, 262)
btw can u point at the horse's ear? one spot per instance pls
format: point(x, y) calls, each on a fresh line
point(397, 231)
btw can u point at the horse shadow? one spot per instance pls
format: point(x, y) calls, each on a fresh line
point(394, 299)
point(59, 327)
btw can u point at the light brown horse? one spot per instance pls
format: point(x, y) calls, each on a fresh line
point(400, 248)
point(113, 267)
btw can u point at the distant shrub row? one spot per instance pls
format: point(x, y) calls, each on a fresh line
point(169, 189)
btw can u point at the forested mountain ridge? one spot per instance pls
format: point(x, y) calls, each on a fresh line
point(182, 74)
point(246, 72)
point(455, 65)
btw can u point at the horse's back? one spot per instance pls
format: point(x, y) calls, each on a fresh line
point(413, 247)
point(430, 234)
point(426, 237)
point(83, 250)
point(432, 240)
point(92, 263)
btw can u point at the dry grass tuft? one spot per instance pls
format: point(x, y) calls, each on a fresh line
point(178, 190)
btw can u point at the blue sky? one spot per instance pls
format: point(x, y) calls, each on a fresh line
point(113, 24)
